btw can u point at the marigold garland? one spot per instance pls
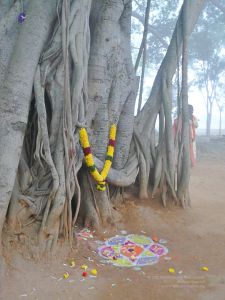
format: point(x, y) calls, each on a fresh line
point(99, 177)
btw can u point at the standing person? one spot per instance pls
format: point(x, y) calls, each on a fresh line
point(193, 124)
point(177, 128)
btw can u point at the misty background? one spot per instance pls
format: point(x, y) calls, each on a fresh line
point(206, 57)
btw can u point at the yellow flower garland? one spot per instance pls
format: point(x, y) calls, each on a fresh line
point(99, 177)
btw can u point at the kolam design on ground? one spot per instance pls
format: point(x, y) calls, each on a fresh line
point(132, 250)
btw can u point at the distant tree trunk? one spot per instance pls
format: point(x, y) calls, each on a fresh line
point(143, 51)
point(220, 123)
point(145, 34)
point(209, 117)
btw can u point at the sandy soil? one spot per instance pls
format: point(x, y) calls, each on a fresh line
point(196, 238)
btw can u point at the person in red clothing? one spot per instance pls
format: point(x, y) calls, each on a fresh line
point(193, 124)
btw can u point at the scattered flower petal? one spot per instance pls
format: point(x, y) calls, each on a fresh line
point(94, 272)
point(171, 270)
point(84, 267)
point(66, 275)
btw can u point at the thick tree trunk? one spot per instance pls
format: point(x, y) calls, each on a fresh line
point(97, 92)
point(15, 93)
point(112, 86)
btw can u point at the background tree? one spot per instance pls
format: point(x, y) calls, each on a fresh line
point(207, 56)
point(160, 29)
point(143, 52)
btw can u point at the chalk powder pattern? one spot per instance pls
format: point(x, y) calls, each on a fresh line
point(132, 250)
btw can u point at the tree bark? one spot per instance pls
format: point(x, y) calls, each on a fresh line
point(183, 179)
point(15, 93)
point(142, 80)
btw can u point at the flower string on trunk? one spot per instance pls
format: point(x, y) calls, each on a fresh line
point(99, 177)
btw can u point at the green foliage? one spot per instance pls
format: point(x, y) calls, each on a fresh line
point(207, 51)
point(163, 16)
point(209, 36)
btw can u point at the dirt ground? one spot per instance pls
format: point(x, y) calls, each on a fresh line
point(196, 238)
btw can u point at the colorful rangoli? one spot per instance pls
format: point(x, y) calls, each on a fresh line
point(132, 251)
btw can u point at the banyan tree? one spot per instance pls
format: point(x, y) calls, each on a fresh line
point(66, 69)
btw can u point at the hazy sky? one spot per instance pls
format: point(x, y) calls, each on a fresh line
point(195, 96)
